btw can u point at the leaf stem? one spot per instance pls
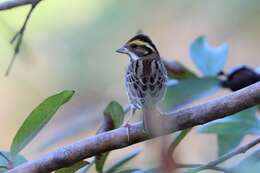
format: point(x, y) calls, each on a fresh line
point(178, 140)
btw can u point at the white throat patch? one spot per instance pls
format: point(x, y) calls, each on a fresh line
point(133, 56)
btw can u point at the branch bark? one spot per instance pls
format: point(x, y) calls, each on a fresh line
point(16, 3)
point(118, 138)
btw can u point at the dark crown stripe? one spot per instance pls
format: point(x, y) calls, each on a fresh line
point(144, 38)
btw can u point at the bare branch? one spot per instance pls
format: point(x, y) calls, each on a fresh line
point(18, 37)
point(16, 3)
point(227, 156)
point(118, 138)
point(216, 168)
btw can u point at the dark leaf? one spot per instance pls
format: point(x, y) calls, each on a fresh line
point(37, 119)
point(178, 71)
point(240, 77)
point(209, 60)
point(123, 161)
point(73, 168)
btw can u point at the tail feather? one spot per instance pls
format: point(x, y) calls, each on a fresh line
point(151, 121)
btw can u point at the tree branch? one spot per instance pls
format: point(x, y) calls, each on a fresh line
point(225, 157)
point(118, 138)
point(16, 3)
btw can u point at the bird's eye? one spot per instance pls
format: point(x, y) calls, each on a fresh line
point(133, 46)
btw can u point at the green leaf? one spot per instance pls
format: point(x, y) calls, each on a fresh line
point(16, 160)
point(123, 161)
point(131, 171)
point(100, 161)
point(249, 164)
point(116, 112)
point(87, 167)
point(188, 90)
point(73, 168)
point(231, 130)
point(209, 60)
point(37, 119)
point(228, 142)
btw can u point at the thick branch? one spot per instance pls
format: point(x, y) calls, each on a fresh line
point(16, 3)
point(118, 138)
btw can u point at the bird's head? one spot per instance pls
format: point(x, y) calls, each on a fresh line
point(139, 46)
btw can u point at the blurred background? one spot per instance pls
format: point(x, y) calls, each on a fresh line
point(71, 45)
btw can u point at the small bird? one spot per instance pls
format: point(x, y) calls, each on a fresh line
point(145, 78)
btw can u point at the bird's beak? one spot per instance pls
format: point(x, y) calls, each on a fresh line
point(122, 50)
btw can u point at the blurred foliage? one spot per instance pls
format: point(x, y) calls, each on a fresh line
point(76, 50)
point(73, 168)
point(209, 60)
point(249, 164)
point(178, 71)
point(118, 164)
point(188, 90)
point(231, 130)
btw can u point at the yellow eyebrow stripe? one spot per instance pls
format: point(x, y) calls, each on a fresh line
point(140, 43)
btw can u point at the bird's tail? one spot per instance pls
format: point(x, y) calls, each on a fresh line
point(151, 121)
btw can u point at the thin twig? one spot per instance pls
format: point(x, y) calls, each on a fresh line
point(4, 156)
point(18, 37)
point(227, 156)
point(9, 4)
point(9, 162)
point(216, 168)
point(118, 138)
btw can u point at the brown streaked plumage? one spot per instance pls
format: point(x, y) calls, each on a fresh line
point(146, 76)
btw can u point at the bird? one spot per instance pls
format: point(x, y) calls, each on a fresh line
point(145, 78)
